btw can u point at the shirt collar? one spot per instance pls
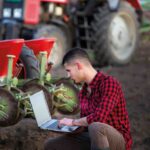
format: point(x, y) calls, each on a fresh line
point(95, 79)
point(93, 82)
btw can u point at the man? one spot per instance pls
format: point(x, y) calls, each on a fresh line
point(103, 110)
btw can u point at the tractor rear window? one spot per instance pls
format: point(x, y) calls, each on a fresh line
point(13, 1)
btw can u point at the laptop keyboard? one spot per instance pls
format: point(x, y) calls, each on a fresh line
point(54, 125)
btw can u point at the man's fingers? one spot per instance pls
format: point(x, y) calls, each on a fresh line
point(65, 121)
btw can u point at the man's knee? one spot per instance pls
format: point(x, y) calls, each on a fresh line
point(97, 127)
point(104, 134)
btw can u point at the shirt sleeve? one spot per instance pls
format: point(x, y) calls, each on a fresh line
point(108, 100)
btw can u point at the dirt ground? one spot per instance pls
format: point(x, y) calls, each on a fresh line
point(135, 79)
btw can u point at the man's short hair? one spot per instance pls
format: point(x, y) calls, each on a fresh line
point(75, 53)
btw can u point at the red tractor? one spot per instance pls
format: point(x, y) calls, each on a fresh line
point(108, 29)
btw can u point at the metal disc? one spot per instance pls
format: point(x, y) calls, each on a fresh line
point(8, 108)
point(34, 87)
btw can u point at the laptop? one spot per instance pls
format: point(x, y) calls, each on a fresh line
point(43, 116)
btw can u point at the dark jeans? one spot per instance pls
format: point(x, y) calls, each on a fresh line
point(99, 136)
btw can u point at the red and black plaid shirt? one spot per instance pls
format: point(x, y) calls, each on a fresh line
point(103, 101)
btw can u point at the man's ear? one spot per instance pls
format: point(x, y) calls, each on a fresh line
point(79, 65)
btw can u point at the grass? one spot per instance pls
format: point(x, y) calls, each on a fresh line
point(145, 29)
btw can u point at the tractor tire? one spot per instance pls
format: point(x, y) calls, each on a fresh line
point(30, 64)
point(60, 45)
point(115, 35)
point(8, 108)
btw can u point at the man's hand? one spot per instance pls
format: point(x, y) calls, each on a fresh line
point(66, 121)
point(73, 122)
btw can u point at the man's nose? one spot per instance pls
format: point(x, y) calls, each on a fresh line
point(68, 75)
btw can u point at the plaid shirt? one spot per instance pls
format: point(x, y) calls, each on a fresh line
point(103, 101)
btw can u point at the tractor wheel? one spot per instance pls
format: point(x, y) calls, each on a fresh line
point(8, 108)
point(33, 87)
point(115, 35)
point(30, 64)
point(70, 94)
point(60, 46)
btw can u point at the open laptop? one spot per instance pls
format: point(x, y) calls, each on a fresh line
point(43, 116)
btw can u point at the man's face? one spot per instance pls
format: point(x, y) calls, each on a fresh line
point(74, 72)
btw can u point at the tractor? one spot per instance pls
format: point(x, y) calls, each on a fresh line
point(107, 29)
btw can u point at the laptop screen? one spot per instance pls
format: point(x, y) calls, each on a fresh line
point(40, 108)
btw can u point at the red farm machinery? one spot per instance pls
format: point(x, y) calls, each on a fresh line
point(107, 29)
point(61, 94)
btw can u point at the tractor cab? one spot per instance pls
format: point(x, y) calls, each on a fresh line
point(12, 9)
point(15, 14)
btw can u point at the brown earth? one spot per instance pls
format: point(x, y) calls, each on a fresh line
point(135, 79)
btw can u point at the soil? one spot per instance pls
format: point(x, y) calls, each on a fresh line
point(135, 79)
